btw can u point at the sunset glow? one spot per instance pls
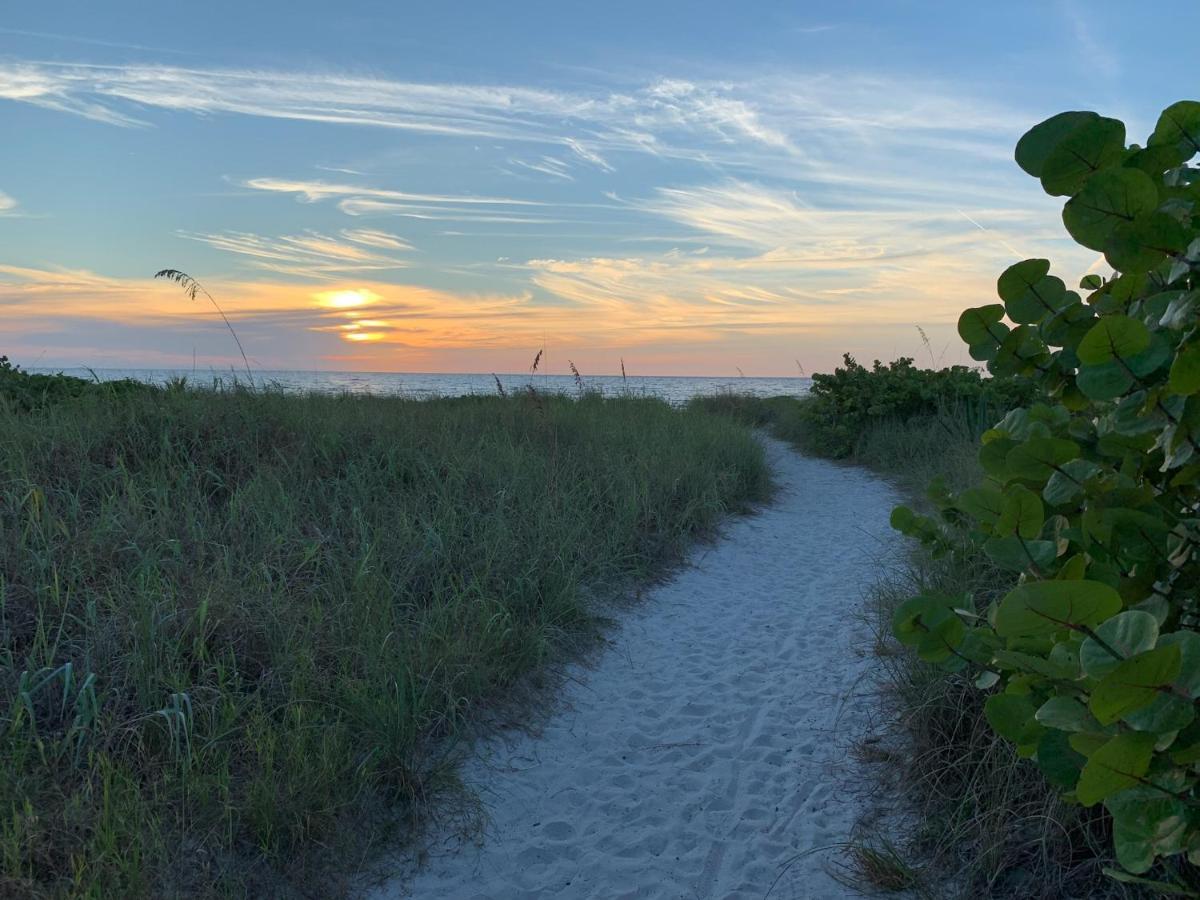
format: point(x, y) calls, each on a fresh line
point(358, 207)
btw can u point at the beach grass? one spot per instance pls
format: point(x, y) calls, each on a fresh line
point(242, 629)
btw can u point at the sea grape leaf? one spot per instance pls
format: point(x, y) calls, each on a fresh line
point(1059, 762)
point(1181, 311)
point(1179, 128)
point(1185, 371)
point(1158, 887)
point(1128, 633)
point(1029, 294)
point(1109, 198)
point(1146, 823)
point(985, 504)
point(930, 624)
point(1113, 338)
point(1017, 555)
point(1067, 327)
point(1067, 482)
point(1067, 714)
point(1166, 713)
point(1140, 245)
point(1037, 458)
point(1188, 643)
point(981, 326)
point(1021, 513)
point(1150, 359)
point(993, 456)
point(1043, 607)
point(1134, 683)
point(1106, 381)
point(1012, 716)
point(1036, 145)
point(1116, 765)
point(1027, 662)
point(1089, 147)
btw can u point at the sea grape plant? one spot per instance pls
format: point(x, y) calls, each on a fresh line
point(1092, 493)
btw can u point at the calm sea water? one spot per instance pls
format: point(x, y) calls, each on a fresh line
point(673, 389)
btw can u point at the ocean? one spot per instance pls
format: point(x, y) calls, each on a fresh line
point(676, 390)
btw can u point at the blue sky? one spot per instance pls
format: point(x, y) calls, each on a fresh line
point(692, 187)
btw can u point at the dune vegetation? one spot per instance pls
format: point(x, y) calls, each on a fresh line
point(242, 630)
point(1041, 644)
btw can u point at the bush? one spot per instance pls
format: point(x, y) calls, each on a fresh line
point(25, 391)
point(1092, 662)
point(844, 405)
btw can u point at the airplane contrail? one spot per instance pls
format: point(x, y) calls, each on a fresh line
point(1009, 246)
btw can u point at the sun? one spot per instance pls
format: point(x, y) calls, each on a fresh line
point(346, 299)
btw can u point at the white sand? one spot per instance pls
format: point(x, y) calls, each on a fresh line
point(706, 750)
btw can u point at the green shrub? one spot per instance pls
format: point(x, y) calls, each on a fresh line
point(1091, 495)
point(26, 391)
point(843, 405)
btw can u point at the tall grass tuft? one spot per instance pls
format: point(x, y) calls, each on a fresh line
point(240, 629)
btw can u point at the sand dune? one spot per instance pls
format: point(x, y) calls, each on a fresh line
point(704, 754)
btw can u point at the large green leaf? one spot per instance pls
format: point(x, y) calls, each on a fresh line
point(1021, 513)
point(1068, 481)
point(1111, 197)
point(1067, 327)
point(1038, 458)
point(1106, 381)
point(1029, 294)
point(1140, 245)
point(930, 624)
point(1018, 555)
point(1043, 607)
point(984, 504)
point(1188, 643)
point(1181, 310)
point(1185, 371)
point(1166, 713)
point(1036, 145)
point(1012, 716)
point(982, 330)
point(1059, 762)
point(1089, 147)
point(1134, 683)
point(977, 325)
point(1113, 338)
point(1118, 764)
point(1067, 714)
point(1179, 128)
point(1146, 822)
point(1128, 633)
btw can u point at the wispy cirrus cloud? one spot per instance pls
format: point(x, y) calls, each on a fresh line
point(311, 255)
point(371, 237)
point(667, 116)
point(361, 200)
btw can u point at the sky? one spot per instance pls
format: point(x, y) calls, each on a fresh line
point(690, 188)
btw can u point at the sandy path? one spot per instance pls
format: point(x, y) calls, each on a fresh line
point(706, 749)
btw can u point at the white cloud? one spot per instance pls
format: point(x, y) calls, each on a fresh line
point(545, 165)
point(311, 255)
point(373, 238)
point(720, 121)
point(7, 203)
